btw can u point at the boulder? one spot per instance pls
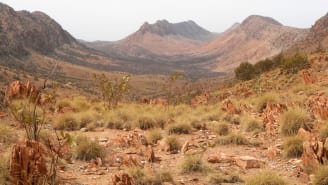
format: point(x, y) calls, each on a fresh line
point(248, 162)
point(220, 158)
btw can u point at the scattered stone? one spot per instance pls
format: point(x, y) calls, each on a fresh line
point(84, 129)
point(248, 162)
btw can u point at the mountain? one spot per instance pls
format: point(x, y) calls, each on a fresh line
point(187, 44)
point(25, 34)
point(159, 39)
point(315, 40)
point(256, 38)
point(22, 31)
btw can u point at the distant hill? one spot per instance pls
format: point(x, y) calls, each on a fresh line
point(256, 38)
point(188, 44)
point(161, 38)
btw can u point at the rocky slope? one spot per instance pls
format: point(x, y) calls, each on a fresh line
point(254, 39)
point(22, 31)
point(186, 44)
point(161, 38)
point(316, 39)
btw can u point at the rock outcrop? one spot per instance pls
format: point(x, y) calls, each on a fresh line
point(21, 31)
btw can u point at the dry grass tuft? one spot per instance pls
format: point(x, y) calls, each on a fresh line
point(193, 163)
point(87, 149)
point(266, 178)
point(292, 120)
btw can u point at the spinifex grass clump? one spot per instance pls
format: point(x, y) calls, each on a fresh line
point(292, 120)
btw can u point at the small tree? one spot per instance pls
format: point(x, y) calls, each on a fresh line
point(112, 91)
point(245, 71)
point(172, 87)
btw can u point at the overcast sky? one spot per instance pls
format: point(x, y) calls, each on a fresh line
point(114, 19)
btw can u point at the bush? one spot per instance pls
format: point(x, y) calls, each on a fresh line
point(173, 143)
point(141, 177)
point(4, 169)
point(245, 71)
point(253, 125)
point(295, 63)
point(293, 147)
point(66, 122)
point(292, 120)
point(154, 135)
point(146, 123)
point(219, 179)
point(179, 128)
point(320, 176)
point(233, 138)
point(264, 66)
point(266, 178)
point(222, 129)
point(193, 163)
point(87, 149)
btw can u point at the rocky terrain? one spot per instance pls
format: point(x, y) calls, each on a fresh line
point(256, 38)
point(62, 122)
point(316, 40)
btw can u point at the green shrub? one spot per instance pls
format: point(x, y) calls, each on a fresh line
point(193, 163)
point(66, 121)
point(245, 71)
point(295, 63)
point(264, 66)
point(292, 120)
point(87, 149)
point(179, 128)
point(321, 176)
point(266, 178)
point(154, 135)
point(173, 143)
point(293, 147)
point(233, 138)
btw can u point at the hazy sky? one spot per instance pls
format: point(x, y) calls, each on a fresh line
point(115, 19)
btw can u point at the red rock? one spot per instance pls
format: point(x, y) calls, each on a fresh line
point(273, 152)
point(302, 133)
point(220, 158)
point(248, 162)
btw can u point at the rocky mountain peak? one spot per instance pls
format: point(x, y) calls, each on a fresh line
point(188, 29)
point(257, 19)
